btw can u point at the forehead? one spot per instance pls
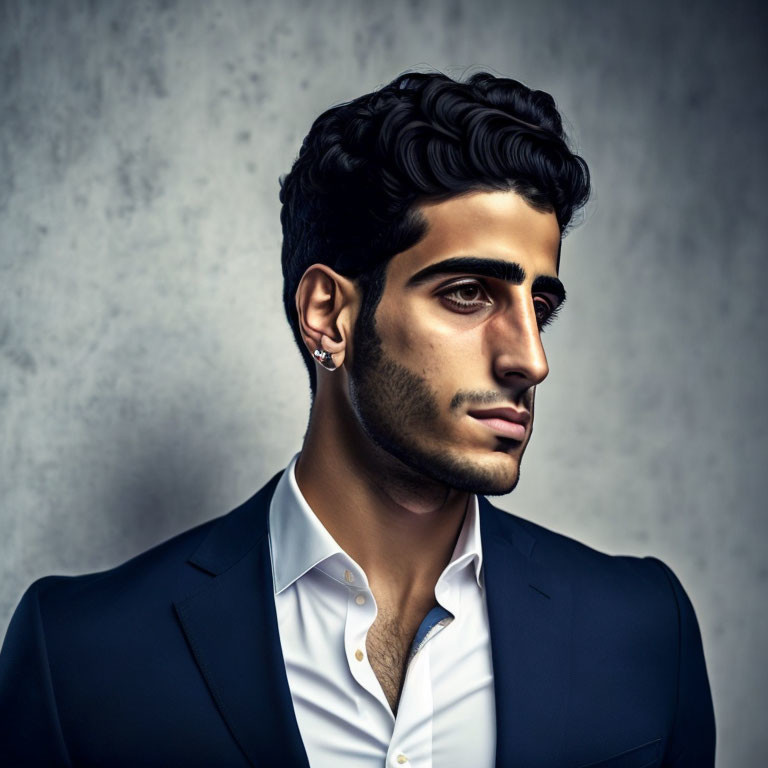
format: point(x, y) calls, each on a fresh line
point(495, 225)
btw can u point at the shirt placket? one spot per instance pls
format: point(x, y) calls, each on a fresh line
point(361, 612)
point(411, 743)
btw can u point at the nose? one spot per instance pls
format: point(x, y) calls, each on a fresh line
point(519, 360)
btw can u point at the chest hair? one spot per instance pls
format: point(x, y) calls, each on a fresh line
point(388, 645)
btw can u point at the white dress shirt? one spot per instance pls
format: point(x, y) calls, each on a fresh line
point(446, 713)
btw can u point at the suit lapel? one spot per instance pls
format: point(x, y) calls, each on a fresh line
point(231, 627)
point(529, 612)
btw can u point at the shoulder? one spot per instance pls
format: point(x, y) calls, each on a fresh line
point(592, 576)
point(68, 631)
point(630, 628)
point(128, 603)
point(154, 579)
point(147, 580)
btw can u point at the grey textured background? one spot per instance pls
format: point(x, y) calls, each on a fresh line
point(148, 380)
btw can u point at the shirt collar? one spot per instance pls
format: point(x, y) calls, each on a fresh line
point(298, 541)
point(469, 548)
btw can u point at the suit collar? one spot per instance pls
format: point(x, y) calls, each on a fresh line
point(505, 528)
point(234, 535)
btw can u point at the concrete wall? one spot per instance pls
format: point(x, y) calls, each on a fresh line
point(148, 380)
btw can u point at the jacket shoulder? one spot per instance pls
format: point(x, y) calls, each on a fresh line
point(139, 591)
point(590, 571)
point(146, 571)
point(169, 570)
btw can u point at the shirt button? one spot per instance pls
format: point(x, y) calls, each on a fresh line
point(349, 577)
point(402, 759)
point(359, 655)
point(360, 599)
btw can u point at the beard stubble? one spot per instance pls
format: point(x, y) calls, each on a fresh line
point(396, 408)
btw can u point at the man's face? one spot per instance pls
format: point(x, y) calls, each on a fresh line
point(457, 337)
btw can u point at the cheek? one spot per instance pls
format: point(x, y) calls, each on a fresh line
point(443, 362)
point(435, 349)
point(413, 344)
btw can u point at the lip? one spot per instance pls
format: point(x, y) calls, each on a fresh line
point(508, 422)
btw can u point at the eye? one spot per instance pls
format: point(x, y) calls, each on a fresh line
point(545, 310)
point(466, 297)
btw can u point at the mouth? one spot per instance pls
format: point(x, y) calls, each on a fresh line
point(507, 422)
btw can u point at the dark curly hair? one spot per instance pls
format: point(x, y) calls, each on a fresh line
point(350, 198)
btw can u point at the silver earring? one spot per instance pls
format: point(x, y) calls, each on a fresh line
point(325, 359)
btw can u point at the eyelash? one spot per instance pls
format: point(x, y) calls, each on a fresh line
point(467, 307)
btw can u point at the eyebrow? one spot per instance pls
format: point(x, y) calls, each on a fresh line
point(509, 271)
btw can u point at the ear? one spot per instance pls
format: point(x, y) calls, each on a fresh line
point(327, 304)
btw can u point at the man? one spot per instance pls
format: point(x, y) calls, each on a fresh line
point(369, 606)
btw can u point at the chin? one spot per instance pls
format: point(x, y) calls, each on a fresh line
point(494, 475)
point(489, 473)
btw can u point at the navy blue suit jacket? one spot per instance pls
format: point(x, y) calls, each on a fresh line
point(173, 658)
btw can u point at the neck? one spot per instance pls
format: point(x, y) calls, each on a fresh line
point(400, 526)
